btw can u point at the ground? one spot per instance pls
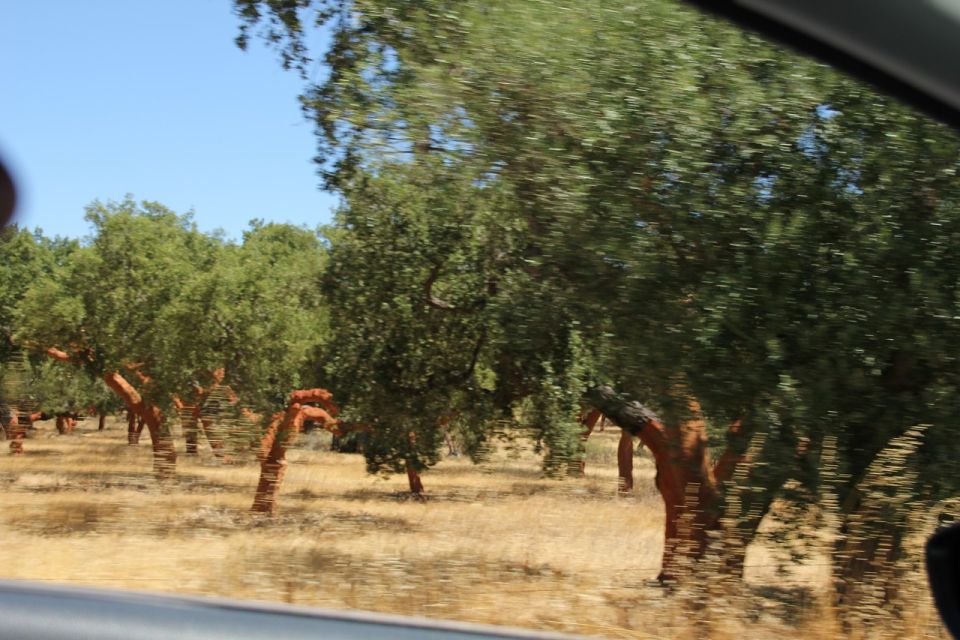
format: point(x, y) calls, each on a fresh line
point(493, 543)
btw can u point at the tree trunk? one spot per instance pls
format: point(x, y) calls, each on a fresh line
point(134, 426)
point(281, 433)
point(16, 432)
point(751, 507)
point(190, 435)
point(751, 488)
point(102, 422)
point(684, 479)
point(867, 559)
point(213, 436)
point(190, 421)
point(876, 515)
point(65, 423)
point(625, 462)
point(453, 449)
point(413, 479)
point(193, 420)
point(164, 453)
point(273, 463)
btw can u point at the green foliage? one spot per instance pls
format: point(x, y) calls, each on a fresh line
point(107, 302)
point(27, 257)
point(261, 315)
point(669, 205)
point(405, 288)
point(58, 387)
point(149, 296)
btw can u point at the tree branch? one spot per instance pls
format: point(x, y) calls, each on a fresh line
point(431, 299)
point(734, 453)
point(58, 354)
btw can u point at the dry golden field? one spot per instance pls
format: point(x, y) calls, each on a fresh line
point(494, 543)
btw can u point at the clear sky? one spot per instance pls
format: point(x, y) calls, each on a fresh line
point(101, 98)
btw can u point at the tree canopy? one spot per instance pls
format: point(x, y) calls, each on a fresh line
point(159, 310)
point(638, 197)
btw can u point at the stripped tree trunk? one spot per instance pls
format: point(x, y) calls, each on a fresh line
point(214, 437)
point(413, 479)
point(691, 486)
point(193, 418)
point(190, 421)
point(751, 489)
point(280, 435)
point(134, 426)
point(102, 422)
point(625, 462)
point(273, 464)
point(164, 454)
point(193, 422)
point(684, 479)
point(65, 423)
point(16, 432)
point(205, 422)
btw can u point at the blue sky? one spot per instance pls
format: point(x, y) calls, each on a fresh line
point(102, 98)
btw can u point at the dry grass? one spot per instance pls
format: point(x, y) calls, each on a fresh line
point(494, 543)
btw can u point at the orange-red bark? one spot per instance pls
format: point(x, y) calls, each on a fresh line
point(164, 454)
point(414, 481)
point(685, 477)
point(134, 426)
point(16, 432)
point(730, 458)
point(317, 396)
point(65, 423)
point(625, 462)
point(273, 463)
point(58, 354)
point(688, 487)
point(280, 434)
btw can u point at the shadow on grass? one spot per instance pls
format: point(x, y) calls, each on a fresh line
point(68, 481)
point(791, 604)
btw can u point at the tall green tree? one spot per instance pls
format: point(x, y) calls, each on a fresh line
point(104, 308)
point(408, 329)
point(155, 308)
point(27, 257)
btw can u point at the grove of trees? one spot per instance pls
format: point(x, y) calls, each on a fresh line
point(550, 205)
point(736, 255)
